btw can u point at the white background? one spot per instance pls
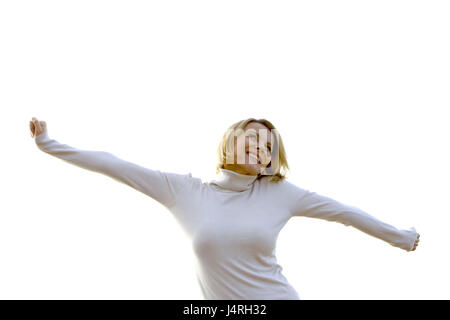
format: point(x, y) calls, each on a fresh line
point(358, 90)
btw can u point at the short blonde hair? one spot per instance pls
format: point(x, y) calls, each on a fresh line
point(227, 144)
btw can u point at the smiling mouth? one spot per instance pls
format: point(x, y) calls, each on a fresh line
point(254, 157)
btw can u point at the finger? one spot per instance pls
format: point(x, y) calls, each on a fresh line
point(32, 129)
point(38, 126)
point(43, 125)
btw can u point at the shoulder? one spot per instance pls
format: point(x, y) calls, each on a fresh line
point(182, 181)
point(288, 188)
point(193, 180)
point(282, 191)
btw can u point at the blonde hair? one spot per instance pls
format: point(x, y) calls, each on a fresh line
point(227, 144)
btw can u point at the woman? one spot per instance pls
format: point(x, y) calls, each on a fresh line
point(233, 221)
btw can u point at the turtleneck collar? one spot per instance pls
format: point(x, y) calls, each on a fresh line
point(232, 180)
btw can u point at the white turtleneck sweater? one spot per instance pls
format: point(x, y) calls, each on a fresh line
point(233, 221)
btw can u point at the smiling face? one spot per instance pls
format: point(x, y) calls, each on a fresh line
point(252, 149)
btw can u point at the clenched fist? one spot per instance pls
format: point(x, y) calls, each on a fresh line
point(416, 243)
point(37, 127)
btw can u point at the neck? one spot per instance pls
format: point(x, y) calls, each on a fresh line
point(235, 168)
point(232, 180)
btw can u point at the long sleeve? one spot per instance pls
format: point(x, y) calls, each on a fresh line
point(311, 204)
point(161, 186)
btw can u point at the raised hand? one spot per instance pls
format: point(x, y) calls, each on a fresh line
point(37, 127)
point(416, 243)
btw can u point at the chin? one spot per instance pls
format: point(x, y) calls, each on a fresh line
point(254, 169)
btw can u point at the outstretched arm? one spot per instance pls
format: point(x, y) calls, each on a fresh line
point(311, 204)
point(161, 186)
